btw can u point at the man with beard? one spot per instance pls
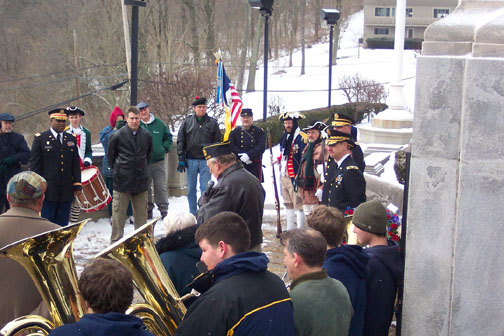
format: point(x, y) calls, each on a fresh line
point(13, 152)
point(55, 156)
point(249, 142)
point(291, 148)
point(308, 177)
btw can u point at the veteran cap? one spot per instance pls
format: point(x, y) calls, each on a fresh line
point(371, 216)
point(199, 101)
point(26, 185)
point(246, 112)
point(58, 114)
point(342, 120)
point(74, 110)
point(334, 136)
point(216, 150)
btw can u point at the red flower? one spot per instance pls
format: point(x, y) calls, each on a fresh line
point(394, 226)
point(395, 237)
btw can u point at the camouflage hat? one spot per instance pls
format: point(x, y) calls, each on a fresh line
point(371, 216)
point(26, 185)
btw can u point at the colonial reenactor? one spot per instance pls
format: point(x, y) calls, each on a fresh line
point(236, 191)
point(344, 184)
point(83, 136)
point(13, 152)
point(308, 177)
point(55, 156)
point(344, 124)
point(292, 145)
point(248, 143)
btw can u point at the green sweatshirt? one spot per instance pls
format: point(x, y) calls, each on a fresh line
point(161, 137)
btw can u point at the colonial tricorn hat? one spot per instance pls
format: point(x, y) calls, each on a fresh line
point(246, 112)
point(74, 110)
point(217, 149)
point(342, 120)
point(315, 125)
point(334, 136)
point(58, 114)
point(199, 101)
point(291, 116)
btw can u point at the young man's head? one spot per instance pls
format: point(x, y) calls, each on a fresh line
point(370, 223)
point(133, 118)
point(26, 190)
point(199, 106)
point(304, 251)
point(107, 286)
point(6, 122)
point(329, 222)
point(221, 237)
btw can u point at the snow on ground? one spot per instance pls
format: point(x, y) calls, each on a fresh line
point(371, 64)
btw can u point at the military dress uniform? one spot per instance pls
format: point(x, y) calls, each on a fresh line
point(253, 143)
point(344, 185)
point(59, 163)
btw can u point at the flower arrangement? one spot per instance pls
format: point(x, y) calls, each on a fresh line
point(393, 226)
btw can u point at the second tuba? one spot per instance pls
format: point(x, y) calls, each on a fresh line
point(48, 259)
point(163, 310)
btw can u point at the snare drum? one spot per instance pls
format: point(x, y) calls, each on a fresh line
point(95, 194)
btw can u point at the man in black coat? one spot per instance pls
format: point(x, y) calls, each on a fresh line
point(129, 155)
point(236, 190)
point(344, 124)
point(13, 152)
point(55, 156)
point(195, 131)
point(248, 143)
point(344, 184)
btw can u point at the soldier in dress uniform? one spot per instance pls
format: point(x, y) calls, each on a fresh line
point(248, 142)
point(55, 156)
point(344, 184)
point(344, 124)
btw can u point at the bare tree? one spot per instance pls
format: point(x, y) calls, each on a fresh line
point(303, 11)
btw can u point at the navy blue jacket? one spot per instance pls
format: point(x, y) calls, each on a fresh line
point(12, 144)
point(385, 271)
point(110, 324)
point(348, 264)
point(105, 134)
point(179, 254)
point(242, 296)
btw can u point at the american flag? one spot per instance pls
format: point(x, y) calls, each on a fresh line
point(229, 98)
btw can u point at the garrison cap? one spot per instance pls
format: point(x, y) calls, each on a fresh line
point(217, 149)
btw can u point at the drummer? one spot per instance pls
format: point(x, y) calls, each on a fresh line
point(83, 136)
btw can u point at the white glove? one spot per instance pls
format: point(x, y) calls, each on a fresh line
point(245, 158)
point(318, 194)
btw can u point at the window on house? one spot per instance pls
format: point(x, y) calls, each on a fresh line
point(409, 12)
point(381, 31)
point(382, 11)
point(441, 12)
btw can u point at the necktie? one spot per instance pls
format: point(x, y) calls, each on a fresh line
point(59, 138)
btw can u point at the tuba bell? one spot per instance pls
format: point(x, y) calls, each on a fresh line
point(48, 259)
point(163, 310)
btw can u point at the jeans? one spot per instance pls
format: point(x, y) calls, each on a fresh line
point(195, 166)
point(56, 212)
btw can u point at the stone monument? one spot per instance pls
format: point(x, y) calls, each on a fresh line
point(454, 274)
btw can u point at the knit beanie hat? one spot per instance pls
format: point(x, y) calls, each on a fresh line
point(371, 216)
point(113, 116)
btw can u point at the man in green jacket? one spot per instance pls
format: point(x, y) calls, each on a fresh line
point(161, 141)
point(321, 304)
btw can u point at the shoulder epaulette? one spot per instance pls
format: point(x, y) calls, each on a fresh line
point(37, 134)
point(352, 167)
point(66, 128)
point(304, 136)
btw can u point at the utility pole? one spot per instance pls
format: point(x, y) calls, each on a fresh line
point(76, 69)
point(127, 41)
point(134, 47)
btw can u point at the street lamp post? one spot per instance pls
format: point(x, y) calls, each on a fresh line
point(134, 46)
point(331, 16)
point(266, 9)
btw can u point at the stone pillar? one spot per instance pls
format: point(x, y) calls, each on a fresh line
point(176, 182)
point(454, 257)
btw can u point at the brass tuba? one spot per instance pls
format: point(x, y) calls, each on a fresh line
point(48, 259)
point(163, 310)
